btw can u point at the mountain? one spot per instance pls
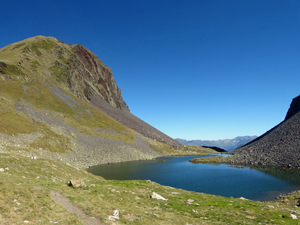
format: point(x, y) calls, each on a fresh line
point(279, 146)
point(226, 144)
point(294, 108)
point(60, 101)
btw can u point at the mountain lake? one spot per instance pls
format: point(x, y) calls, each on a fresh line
point(257, 183)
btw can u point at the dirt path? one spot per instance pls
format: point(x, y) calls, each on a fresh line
point(72, 208)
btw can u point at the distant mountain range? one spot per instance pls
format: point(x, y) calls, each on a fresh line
point(226, 144)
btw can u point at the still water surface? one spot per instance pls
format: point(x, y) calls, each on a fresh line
point(263, 184)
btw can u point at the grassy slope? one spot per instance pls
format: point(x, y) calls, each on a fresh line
point(39, 58)
point(22, 198)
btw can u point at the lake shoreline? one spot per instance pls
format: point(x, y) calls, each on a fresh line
point(153, 159)
point(283, 192)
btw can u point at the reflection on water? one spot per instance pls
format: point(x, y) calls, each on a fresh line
point(290, 175)
point(258, 183)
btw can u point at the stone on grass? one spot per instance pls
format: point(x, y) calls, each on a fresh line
point(115, 216)
point(190, 201)
point(77, 183)
point(294, 216)
point(157, 196)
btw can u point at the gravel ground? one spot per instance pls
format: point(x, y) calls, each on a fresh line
point(84, 150)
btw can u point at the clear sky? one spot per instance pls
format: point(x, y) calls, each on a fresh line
point(194, 69)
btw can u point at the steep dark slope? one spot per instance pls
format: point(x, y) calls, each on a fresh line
point(280, 146)
point(294, 107)
point(129, 120)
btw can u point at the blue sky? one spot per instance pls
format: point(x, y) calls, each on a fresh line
point(194, 69)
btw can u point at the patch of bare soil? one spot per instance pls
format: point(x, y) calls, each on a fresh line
point(72, 208)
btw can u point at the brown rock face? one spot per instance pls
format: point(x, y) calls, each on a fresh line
point(71, 67)
point(96, 77)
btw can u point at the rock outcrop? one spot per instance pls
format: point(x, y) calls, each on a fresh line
point(294, 108)
point(89, 77)
point(280, 146)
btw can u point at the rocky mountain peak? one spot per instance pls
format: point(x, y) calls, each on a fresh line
point(72, 67)
point(294, 107)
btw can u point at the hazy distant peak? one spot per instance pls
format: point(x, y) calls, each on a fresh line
point(227, 144)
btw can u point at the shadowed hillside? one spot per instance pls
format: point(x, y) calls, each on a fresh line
point(280, 146)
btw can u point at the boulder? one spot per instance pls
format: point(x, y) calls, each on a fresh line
point(157, 196)
point(115, 216)
point(77, 183)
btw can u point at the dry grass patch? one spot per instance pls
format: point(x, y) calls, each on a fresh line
point(199, 150)
point(20, 203)
point(13, 122)
point(6, 87)
point(160, 147)
point(210, 160)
